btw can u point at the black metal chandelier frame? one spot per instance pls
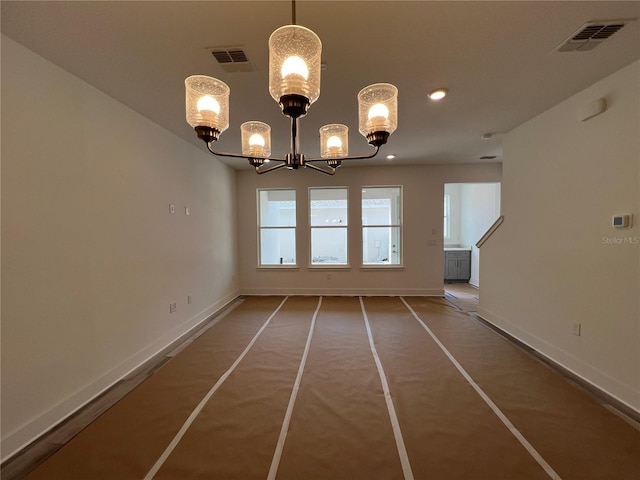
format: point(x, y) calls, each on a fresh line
point(295, 102)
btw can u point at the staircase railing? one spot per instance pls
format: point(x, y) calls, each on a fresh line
point(489, 232)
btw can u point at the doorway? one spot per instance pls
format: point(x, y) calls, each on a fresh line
point(469, 211)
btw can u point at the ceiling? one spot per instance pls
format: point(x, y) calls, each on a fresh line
point(496, 59)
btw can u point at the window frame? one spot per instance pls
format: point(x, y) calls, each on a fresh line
point(345, 227)
point(385, 266)
point(260, 228)
point(446, 219)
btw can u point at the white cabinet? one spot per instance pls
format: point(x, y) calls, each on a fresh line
point(457, 265)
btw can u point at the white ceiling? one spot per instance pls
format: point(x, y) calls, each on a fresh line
point(494, 57)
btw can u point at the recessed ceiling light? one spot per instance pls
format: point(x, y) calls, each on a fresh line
point(391, 156)
point(438, 94)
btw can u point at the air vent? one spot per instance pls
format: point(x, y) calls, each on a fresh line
point(231, 59)
point(590, 35)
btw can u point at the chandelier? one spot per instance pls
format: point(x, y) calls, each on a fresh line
point(294, 82)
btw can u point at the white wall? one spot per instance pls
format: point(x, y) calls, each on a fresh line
point(480, 208)
point(423, 190)
point(556, 259)
point(91, 256)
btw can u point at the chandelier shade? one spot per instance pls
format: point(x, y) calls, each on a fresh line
point(378, 109)
point(207, 102)
point(256, 139)
point(334, 141)
point(294, 65)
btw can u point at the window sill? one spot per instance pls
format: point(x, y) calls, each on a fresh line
point(381, 267)
point(329, 267)
point(278, 267)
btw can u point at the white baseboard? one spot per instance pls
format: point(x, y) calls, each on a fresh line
point(599, 380)
point(19, 438)
point(346, 292)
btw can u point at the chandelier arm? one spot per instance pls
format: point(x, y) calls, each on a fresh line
point(237, 155)
point(340, 159)
point(318, 169)
point(271, 168)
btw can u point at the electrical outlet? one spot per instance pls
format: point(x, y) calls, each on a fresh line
point(189, 299)
point(172, 307)
point(576, 328)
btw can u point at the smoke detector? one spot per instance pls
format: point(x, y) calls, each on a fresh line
point(590, 35)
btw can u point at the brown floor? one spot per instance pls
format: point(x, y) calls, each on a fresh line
point(469, 404)
point(463, 296)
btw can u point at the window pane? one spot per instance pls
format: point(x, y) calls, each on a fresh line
point(381, 206)
point(277, 221)
point(328, 207)
point(277, 208)
point(329, 246)
point(382, 225)
point(278, 246)
point(381, 245)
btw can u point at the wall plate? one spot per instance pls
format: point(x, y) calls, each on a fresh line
point(622, 221)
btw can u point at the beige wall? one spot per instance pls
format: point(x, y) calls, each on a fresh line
point(91, 256)
point(423, 189)
point(556, 259)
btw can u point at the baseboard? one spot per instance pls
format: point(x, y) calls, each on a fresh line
point(347, 292)
point(593, 380)
point(15, 441)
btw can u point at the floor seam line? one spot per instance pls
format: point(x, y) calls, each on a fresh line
point(496, 410)
point(275, 461)
point(395, 424)
point(196, 411)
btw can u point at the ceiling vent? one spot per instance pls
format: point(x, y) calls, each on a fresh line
point(231, 59)
point(590, 35)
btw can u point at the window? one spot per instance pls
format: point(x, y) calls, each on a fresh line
point(381, 225)
point(447, 216)
point(328, 209)
point(277, 227)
